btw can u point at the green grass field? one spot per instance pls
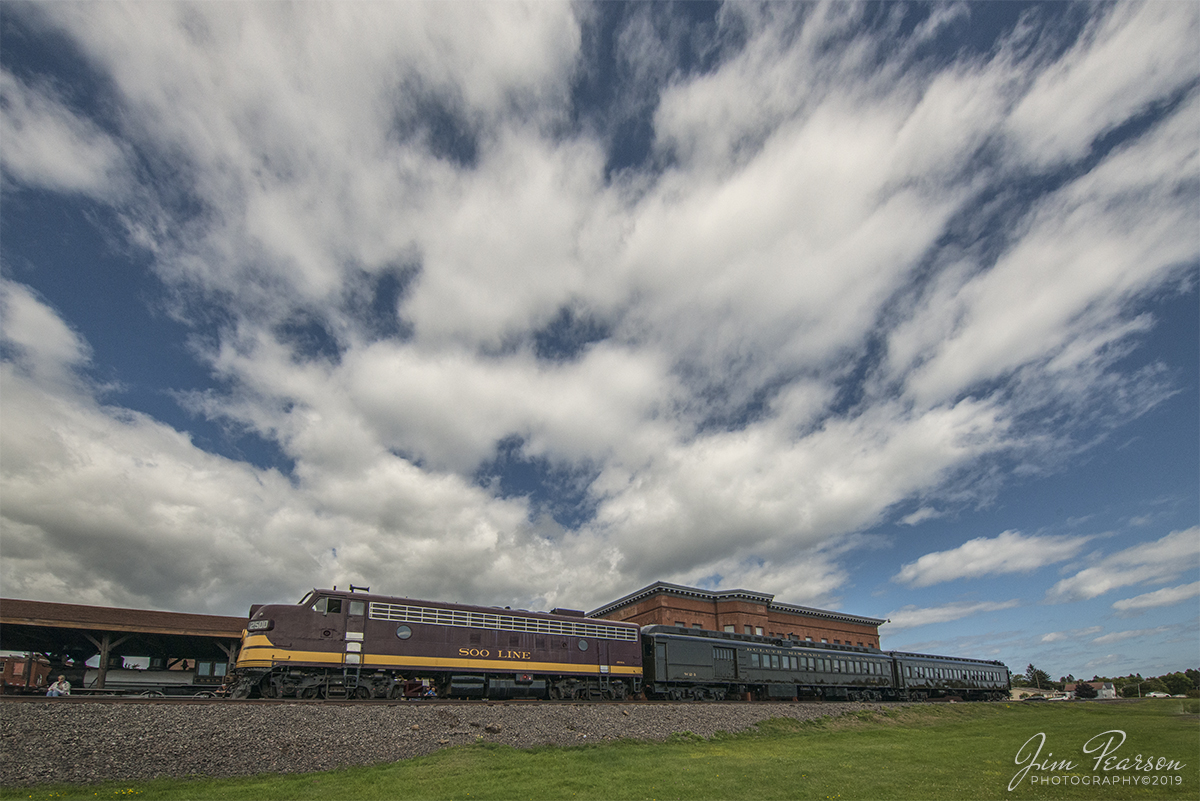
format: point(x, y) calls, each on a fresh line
point(933, 751)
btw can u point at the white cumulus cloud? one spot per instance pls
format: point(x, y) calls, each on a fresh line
point(908, 617)
point(1153, 562)
point(777, 348)
point(1167, 596)
point(1008, 552)
point(1060, 636)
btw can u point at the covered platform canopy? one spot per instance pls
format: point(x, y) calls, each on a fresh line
point(81, 632)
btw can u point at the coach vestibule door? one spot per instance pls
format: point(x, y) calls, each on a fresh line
point(724, 663)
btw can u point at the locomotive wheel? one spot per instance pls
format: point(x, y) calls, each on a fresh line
point(363, 693)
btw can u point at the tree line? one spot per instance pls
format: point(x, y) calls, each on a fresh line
point(1186, 682)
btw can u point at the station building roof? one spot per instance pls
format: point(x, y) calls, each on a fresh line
point(766, 599)
point(65, 628)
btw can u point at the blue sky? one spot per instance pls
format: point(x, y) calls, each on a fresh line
point(886, 308)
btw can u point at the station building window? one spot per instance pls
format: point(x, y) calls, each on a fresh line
point(731, 628)
point(758, 630)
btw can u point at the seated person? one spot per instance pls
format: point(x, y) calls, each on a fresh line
point(60, 687)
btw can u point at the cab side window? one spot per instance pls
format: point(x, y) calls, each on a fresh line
point(328, 606)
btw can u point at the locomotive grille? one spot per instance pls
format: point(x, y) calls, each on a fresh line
point(400, 613)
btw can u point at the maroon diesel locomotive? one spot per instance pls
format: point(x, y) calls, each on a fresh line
point(357, 645)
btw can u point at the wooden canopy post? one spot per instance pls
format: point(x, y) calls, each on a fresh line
point(230, 650)
point(105, 645)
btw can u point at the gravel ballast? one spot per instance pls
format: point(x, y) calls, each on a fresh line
point(82, 743)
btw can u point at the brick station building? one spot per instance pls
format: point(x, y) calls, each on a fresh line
point(740, 612)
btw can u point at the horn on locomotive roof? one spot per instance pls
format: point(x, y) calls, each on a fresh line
point(359, 589)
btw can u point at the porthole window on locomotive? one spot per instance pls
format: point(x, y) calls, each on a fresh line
point(403, 632)
point(583, 645)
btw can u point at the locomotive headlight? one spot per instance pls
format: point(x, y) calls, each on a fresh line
point(260, 625)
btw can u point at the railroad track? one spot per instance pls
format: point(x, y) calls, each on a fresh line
point(368, 702)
